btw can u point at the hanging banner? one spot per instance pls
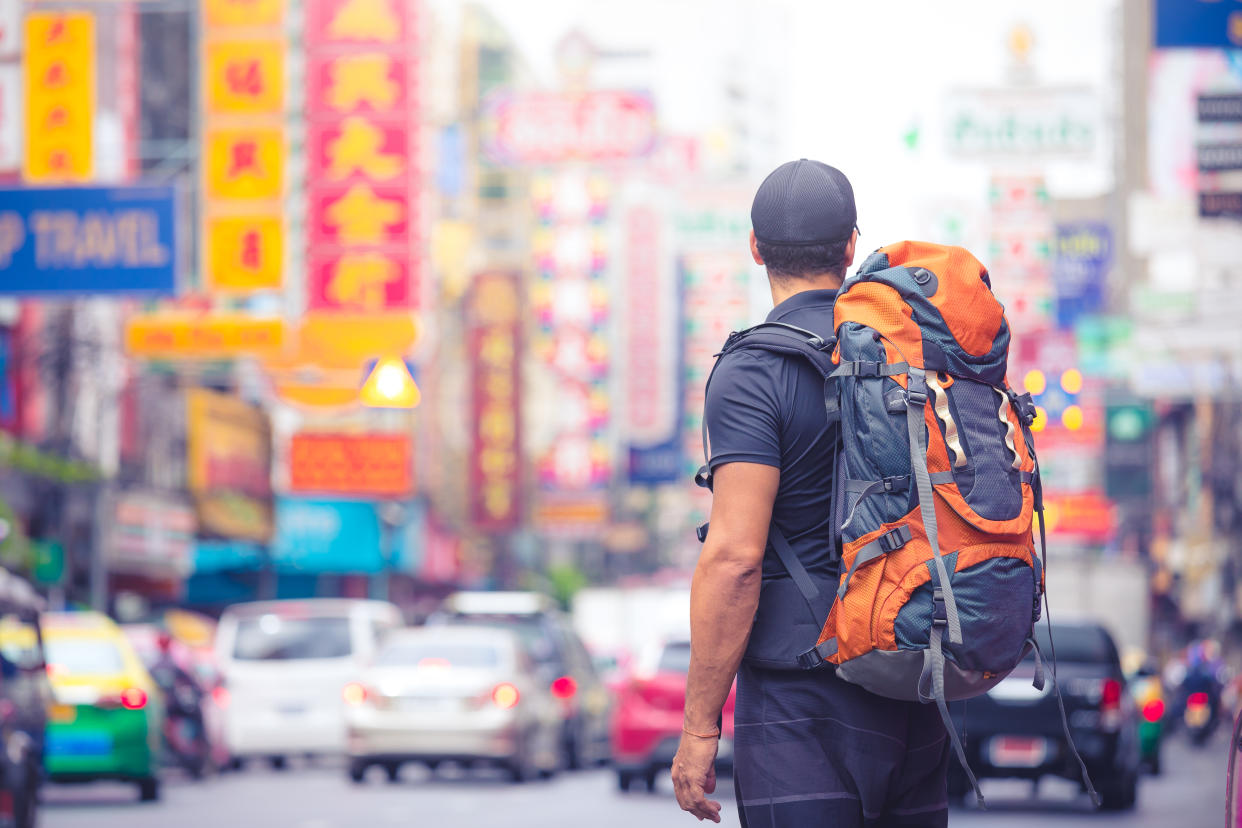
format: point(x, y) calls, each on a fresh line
point(244, 147)
point(88, 240)
point(378, 465)
point(362, 189)
point(59, 97)
point(228, 465)
point(494, 348)
point(555, 127)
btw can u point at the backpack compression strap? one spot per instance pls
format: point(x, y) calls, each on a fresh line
point(789, 340)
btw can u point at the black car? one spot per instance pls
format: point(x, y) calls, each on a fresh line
point(559, 656)
point(1016, 730)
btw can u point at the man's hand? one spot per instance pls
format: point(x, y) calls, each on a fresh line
point(694, 776)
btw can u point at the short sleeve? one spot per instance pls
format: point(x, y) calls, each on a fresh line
point(742, 412)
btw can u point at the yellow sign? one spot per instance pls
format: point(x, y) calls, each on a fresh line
point(245, 163)
point(362, 79)
point(244, 253)
point(198, 336)
point(60, 97)
point(245, 76)
point(243, 13)
point(228, 464)
point(362, 217)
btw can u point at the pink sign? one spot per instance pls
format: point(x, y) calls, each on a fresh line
point(549, 127)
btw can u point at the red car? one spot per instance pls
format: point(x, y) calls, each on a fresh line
point(647, 718)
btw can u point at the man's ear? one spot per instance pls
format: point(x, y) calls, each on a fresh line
point(754, 249)
point(850, 248)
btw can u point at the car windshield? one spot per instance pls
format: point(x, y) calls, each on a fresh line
point(674, 658)
point(1077, 645)
point(535, 636)
point(83, 657)
point(273, 637)
point(435, 654)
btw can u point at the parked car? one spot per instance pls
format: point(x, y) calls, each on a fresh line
point(560, 659)
point(285, 664)
point(647, 719)
point(1016, 730)
point(470, 695)
point(106, 714)
point(24, 697)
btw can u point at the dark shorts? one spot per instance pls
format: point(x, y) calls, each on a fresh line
point(813, 751)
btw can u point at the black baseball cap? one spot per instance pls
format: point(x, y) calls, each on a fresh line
point(803, 203)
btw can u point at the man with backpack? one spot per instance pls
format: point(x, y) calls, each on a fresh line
point(810, 748)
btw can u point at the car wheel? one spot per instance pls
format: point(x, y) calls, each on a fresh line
point(393, 769)
point(649, 779)
point(357, 771)
point(1119, 793)
point(278, 762)
point(149, 789)
point(624, 780)
point(235, 763)
point(1155, 764)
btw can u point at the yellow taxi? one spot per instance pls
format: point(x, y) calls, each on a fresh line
point(106, 717)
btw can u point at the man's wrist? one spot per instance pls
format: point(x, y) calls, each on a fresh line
point(712, 733)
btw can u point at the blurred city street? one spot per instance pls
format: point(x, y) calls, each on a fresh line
point(1188, 795)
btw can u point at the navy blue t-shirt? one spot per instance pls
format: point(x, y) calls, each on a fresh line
point(768, 408)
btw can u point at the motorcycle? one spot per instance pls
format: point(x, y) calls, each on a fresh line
point(1199, 717)
point(184, 732)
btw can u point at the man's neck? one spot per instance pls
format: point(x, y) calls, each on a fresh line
point(784, 288)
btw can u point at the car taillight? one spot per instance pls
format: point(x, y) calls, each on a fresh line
point(1110, 694)
point(1197, 700)
point(505, 696)
point(1153, 711)
point(354, 694)
point(133, 698)
point(565, 687)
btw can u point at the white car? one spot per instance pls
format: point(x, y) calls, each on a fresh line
point(286, 664)
point(460, 694)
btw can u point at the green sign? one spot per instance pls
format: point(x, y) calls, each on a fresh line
point(49, 562)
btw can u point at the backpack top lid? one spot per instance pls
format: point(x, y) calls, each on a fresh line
point(943, 317)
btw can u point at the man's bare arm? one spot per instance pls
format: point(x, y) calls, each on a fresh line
point(725, 590)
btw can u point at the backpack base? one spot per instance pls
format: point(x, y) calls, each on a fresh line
point(899, 674)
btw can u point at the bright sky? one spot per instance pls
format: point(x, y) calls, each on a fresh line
point(859, 78)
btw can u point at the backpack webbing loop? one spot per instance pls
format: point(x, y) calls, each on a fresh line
point(916, 399)
point(933, 674)
point(890, 541)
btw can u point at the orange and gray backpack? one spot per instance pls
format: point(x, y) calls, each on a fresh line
point(936, 483)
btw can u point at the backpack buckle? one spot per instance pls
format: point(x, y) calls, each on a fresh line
point(892, 540)
point(810, 659)
point(940, 614)
point(916, 389)
point(701, 532)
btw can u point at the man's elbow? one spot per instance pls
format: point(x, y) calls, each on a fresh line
point(739, 562)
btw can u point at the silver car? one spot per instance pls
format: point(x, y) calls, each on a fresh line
point(468, 695)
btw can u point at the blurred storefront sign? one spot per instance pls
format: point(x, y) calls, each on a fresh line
point(228, 465)
point(224, 556)
point(244, 145)
point(1221, 205)
point(1088, 516)
point(1197, 24)
point(193, 336)
point(10, 117)
point(151, 534)
point(1082, 254)
point(362, 105)
point(554, 127)
point(88, 240)
point(1218, 157)
point(1023, 123)
point(1220, 109)
point(494, 344)
point(60, 97)
point(320, 535)
point(355, 464)
point(575, 515)
point(10, 386)
point(1020, 250)
point(651, 351)
point(572, 337)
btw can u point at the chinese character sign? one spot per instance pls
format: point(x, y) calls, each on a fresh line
point(60, 97)
point(494, 341)
point(244, 146)
point(363, 220)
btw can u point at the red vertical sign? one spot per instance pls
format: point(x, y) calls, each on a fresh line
point(362, 154)
point(494, 342)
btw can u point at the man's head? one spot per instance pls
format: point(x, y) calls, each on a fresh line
point(804, 223)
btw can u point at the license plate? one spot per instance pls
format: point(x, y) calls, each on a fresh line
point(430, 704)
point(62, 713)
point(291, 709)
point(1197, 715)
point(85, 743)
point(1017, 751)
